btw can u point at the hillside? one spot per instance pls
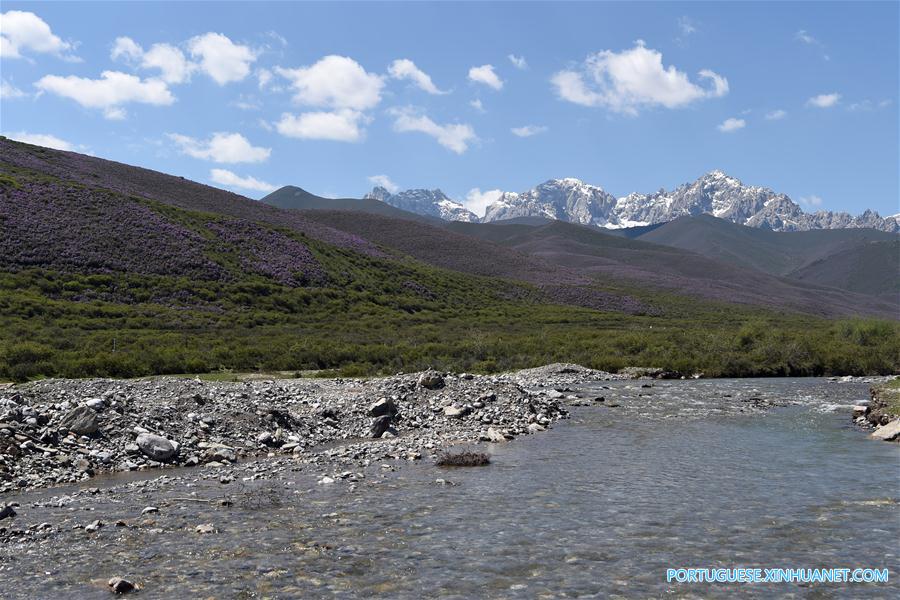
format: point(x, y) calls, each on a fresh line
point(789, 254)
point(292, 197)
point(112, 270)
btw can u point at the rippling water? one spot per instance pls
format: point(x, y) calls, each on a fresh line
point(686, 473)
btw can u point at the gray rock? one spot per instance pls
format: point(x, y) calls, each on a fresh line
point(455, 412)
point(7, 512)
point(96, 404)
point(117, 585)
point(383, 407)
point(80, 420)
point(431, 380)
point(859, 411)
point(380, 425)
point(495, 436)
point(888, 432)
point(156, 447)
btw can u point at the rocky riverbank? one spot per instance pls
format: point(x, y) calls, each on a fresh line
point(67, 431)
point(883, 411)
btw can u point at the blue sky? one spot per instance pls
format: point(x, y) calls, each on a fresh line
point(799, 97)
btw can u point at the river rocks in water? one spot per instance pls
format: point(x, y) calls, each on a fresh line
point(380, 425)
point(6, 512)
point(494, 436)
point(117, 585)
point(80, 420)
point(431, 380)
point(535, 427)
point(889, 432)
point(859, 411)
point(149, 510)
point(156, 447)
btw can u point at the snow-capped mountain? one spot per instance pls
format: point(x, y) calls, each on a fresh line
point(433, 203)
point(715, 193)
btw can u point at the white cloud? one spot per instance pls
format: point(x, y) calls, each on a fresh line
point(518, 62)
point(824, 100)
point(220, 58)
point(338, 126)
point(478, 201)
point(20, 30)
point(811, 200)
point(633, 79)
point(776, 115)
point(222, 147)
point(336, 82)
point(173, 66)
point(110, 92)
point(404, 68)
point(730, 125)
point(806, 38)
point(456, 137)
point(9, 92)
point(232, 180)
point(477, 105)
point(41, 139)
point(264, 77)
point(385, 182)
point(528, 130)
point(485, 74)
point(866, 105)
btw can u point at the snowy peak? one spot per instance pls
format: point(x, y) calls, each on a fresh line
point(714, 193)
point(432, 203)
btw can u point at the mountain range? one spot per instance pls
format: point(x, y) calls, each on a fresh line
point(575, 201)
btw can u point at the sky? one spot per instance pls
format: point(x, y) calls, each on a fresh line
point(468, 97)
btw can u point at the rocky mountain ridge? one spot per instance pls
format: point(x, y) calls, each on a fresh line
point(575, 201)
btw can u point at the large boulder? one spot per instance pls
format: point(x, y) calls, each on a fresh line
point(431, 380)
point(156, 447)
point(888, 432)
point(384, 407)
point(380, 425)
point(82, 420)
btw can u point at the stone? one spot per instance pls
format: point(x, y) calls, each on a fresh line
point(326, 480)
point(150, 510)
point(156, 447)
point(888, 432)
point(495, 436)
point(431, 380)
point(117, 585)
point(380, 425)
point(265, 438)
point(859, 411)
point(95, 404)
point(81, 420)
point(455, 412)
point(7, 512)
point(93, 526)
point(535, 427)
point(383, 407)
point(205, 528)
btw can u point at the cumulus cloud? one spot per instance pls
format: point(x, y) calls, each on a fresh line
point(776, 115)
point(528, 130)
point(339, 126)
point(233, 180)
point(478, 201)
point(41, 139)
point(406, 69)
point(220, 58)
point(222, 147)
point(824, 100)
point(518, 62)
point(171, 62)
point(10, 92)
point(477, 105)
point(21, 30)
point(336, 82)
point(485, 74)
point(385, 182)
point(630, 80)
point(730, 125)
point(456, 137)
point(811, 200)
point(110, 92)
